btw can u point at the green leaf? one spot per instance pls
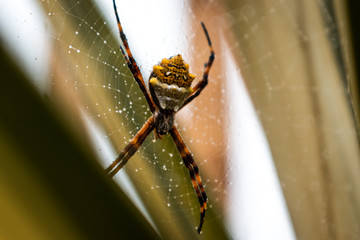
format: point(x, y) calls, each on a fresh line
point(50, 184)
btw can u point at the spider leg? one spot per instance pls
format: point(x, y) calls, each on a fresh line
point(131, 148)
point(202, 84)
point(194, 173)
point(132, 65)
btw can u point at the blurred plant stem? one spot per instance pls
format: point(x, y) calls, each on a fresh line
point(296, 58)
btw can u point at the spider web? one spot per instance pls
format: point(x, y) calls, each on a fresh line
point(93, 86)
point(113, 107)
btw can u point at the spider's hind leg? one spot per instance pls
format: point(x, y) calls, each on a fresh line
point(207, 66)
point(132, 65)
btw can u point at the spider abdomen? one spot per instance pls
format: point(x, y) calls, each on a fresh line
point(170, 83)
point(169, 97)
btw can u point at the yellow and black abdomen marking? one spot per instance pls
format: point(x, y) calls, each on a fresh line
point(170, 83)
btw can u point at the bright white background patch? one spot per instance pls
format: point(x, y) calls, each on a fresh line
point(257, 208)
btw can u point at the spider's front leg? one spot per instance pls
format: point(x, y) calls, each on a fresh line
point(194, 173)
point(131, 148)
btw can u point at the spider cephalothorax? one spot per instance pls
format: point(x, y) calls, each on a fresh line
point(170, 90)
point(170, 85)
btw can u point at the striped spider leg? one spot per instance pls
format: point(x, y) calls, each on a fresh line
point(169, 91)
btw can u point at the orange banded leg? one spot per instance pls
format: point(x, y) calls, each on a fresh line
point(131, 148)
point(194, 173)
point(132, 65)
point(204, 81)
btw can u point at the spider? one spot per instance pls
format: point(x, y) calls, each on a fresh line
point(169, 91)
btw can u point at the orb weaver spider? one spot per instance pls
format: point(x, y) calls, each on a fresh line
point(170, 90)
